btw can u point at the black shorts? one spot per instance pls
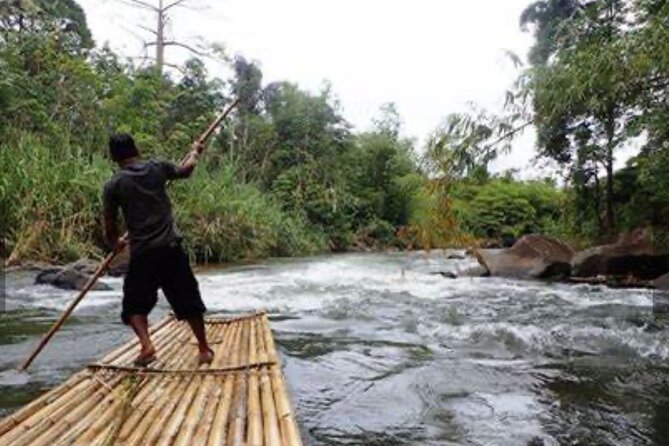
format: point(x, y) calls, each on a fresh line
point(167, 268)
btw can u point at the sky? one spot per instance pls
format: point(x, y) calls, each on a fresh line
point(429, 57)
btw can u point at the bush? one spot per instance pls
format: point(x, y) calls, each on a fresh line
point(507, 209)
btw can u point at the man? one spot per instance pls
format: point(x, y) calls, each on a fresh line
point(157, 259)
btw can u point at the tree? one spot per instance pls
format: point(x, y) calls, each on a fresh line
point(584, 98)
point(67, 15)
point(546, 17)
point(161, 39)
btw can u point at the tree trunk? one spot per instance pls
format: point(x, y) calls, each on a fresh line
point(160, 38)
point(610, 217)
point(598, 205)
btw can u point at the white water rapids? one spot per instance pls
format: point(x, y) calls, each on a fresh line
point(379, 350)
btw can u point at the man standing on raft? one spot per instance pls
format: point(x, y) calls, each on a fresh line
point(157, 259)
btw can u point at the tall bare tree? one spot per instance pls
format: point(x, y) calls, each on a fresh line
point(160, 38)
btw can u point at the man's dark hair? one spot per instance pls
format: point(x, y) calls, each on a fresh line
point(122, 146)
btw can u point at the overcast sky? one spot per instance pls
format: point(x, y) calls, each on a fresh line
point(429, 57)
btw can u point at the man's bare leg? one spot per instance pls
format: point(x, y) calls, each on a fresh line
point(140, 325)
point(197, 326)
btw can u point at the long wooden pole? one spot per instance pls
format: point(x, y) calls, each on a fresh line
point(199, 147)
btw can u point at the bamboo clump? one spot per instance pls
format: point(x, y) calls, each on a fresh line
point(239, 399)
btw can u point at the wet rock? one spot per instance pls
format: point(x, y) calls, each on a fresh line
point(456, 257)
point(84, 266)
point(532, 256)
point(662, 282)
point(70, 277)
point(447, 274)
point(475, 270)
point(536, 441)
point(633, 254)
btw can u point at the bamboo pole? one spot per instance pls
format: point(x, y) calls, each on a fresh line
point(237, 424)
point(144, 402)
point(199, 147)
point(64, 417)
point(40, 420)
point(147, 431)
point(213, 388)
point(75, 382)
point(289, 431)
point(271, 425)
point(254, 414)
point(128, 346)
point(181, 409)
point(149, 409)
point(220, 429)
point(112, 411)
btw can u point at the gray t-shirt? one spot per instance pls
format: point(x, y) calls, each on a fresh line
point(139, 190)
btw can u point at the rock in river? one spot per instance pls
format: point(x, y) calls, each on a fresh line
point(633, 254)
point(662, 282)
point(532, 256)
point(70, 277)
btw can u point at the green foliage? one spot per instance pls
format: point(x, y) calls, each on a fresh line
point(224, 220)
point(284, 177)
point(504, 208)
point(50, 200)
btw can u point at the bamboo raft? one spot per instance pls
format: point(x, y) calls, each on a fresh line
point(240, 399)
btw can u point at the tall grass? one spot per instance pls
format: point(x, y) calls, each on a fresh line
point(225, 220)
point(50, 203)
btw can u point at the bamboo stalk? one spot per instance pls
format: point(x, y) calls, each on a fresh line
point(289, 432)
point(112, 411)
point(220, 429)
point(271, 425)
point(164, 344)
point(148, 430)
point(181, 409)
point(52, 425)
point(254, 415)
point(39, 421)
point(234, 320)
point(153, 330)
point(149, 407)
point(213, 390)
point(195, 415)
point(237, 424)
point(10, 422)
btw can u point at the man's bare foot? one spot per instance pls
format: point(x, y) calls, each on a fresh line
point(145, 357)
point(206, 357)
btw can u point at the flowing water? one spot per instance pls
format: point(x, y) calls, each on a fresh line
point(379, 350)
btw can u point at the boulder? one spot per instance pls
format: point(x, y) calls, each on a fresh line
point(634, 254)
point(70, 277)
point(662, 282)
point(531, 257)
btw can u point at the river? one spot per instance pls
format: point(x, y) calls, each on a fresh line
point(379, 350)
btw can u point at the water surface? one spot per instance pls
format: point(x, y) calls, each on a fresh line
point(379, 350)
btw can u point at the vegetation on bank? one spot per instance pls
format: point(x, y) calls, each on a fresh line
point(287, 176)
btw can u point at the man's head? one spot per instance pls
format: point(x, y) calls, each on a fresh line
point(122, 147)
